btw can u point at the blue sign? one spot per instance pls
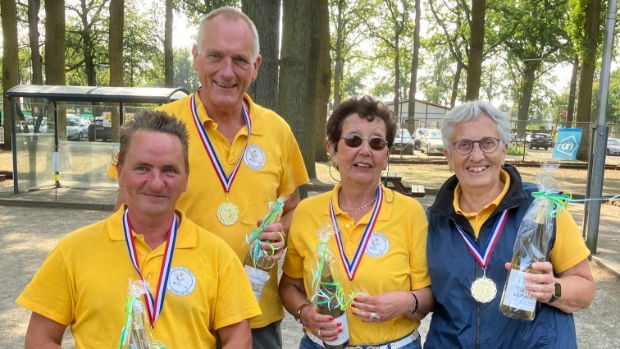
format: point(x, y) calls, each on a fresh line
point(568, 143)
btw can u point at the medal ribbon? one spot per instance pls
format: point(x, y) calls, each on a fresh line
point(483, 259)
point(351, 267)
point(206, 142)
point(155, 305)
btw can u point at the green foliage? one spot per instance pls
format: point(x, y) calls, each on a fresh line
point(612, 114)
point(196, 9)
point(184, 74)
point(515, 149)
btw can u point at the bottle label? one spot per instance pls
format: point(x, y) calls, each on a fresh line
point(344, 335)
point(258, 278)
point(516, 295)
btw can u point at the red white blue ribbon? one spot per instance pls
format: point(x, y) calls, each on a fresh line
point(483, 259)
point(154, 305)
point(351, 267)
point(226, 181)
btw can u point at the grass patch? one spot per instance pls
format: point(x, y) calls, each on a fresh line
point(514, 149)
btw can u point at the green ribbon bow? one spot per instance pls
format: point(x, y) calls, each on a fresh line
point(558, 201)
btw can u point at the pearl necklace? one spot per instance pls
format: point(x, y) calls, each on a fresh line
point(356, 209)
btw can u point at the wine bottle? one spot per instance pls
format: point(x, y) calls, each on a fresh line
point(331, 306)
point(257, 270)
point(531, 247)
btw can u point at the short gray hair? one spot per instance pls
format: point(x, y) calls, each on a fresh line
point(471, 111)
point(232, 14)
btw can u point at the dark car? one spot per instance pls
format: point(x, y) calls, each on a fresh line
point(96, 131)
point(403, 143)
point(541, 140)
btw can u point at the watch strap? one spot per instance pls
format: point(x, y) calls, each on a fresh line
point(298, 312)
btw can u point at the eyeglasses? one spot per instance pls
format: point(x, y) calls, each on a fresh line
point(354, 141)
point(486, 144)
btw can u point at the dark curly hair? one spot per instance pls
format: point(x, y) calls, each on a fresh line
point(367, 108)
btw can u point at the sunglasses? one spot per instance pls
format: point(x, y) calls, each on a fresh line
point(375, 143)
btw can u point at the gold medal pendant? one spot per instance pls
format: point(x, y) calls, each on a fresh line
point(227, 213)
point(360, 292)
point(483, 289)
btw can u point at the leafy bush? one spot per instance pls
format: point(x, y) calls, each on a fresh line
point(514, 149)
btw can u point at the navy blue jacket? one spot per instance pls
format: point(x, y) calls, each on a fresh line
point(461, 322)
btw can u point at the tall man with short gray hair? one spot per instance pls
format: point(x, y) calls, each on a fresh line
point(242, 155)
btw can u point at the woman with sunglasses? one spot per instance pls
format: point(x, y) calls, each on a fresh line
point(473, 226)
point(379, 242)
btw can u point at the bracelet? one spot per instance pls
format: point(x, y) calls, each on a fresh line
point(415, 306)
point(298, 313)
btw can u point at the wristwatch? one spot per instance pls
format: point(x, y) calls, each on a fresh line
point(298, 313)
point(557, 293)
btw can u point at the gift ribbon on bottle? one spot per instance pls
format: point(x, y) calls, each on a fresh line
point(154, 305)
point(559, 201)
point(316, 283)
point(254, 239)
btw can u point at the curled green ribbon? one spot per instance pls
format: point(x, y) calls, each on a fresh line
point(254, 238)
point(128, 314)
point(558, 201)
point(321, 297)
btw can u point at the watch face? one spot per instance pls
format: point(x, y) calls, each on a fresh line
point(558, 290)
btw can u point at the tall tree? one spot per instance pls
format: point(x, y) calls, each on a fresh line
point(168, 51)
point(115, 52)
point(89, 31)
point(55, 52)
point(33, 35)
point(413, 84)
point(266, 16)
point(300, 47)
point(10, 61)
point(476, 49)
point(586, 32)
point(571, 94)
point(323, 79)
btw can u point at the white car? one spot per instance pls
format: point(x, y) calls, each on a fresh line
point(613, 146)
point(431, 142)
point(417, 136)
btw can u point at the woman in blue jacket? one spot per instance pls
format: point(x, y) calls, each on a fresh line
point(473, 225)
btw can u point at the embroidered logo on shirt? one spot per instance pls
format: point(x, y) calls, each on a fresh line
point(181, 281)
point(378, 245)
point(254, 157)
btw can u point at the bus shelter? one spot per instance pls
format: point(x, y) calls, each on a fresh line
point(41, 160)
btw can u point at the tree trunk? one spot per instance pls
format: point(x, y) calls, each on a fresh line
point(474, 70)
point(55, 53)
point(300, 47)
point(338, 69)
point(571, 93)
point(397, 78)
point(323, 80)
point(266, 16)
point(168, 52)
point(413, 84)
point(33, 35)
point(526, 98)
point(10, 61)
point(115, 49)
point(586, 76)
point(455, 84)
point(89, 60)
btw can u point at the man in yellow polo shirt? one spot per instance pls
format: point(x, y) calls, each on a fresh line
point(197, 285)
point(242, 156)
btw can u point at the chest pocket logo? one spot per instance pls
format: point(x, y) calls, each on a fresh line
point(254, 157)
point(378, 245)
point(181, 281)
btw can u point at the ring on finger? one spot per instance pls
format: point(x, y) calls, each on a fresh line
point(374, 316)
point(319, 333)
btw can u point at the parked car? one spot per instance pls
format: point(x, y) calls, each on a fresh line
point(417, 136)
point(97, 130)
point(613, 146)
point(403, 143)
point(77, 128)
point(541, 140)
point(431, 142)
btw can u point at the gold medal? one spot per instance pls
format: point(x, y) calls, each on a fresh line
point(359, 292)
point(227, 213)
point(483, 290)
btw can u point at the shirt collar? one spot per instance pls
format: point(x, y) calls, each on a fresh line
point(503, 177)
point(386, 209)
point(255, 115)
point(186, 235)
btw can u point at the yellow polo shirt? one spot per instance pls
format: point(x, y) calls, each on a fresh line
point(569, 247)
point(394, 260)
point(272, 166)
point(84, 281)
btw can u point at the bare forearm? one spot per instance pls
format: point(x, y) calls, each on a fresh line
point(43, 333)
point(425, 300)
point(236, 335)
point(290, 294)
point(577, 293)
